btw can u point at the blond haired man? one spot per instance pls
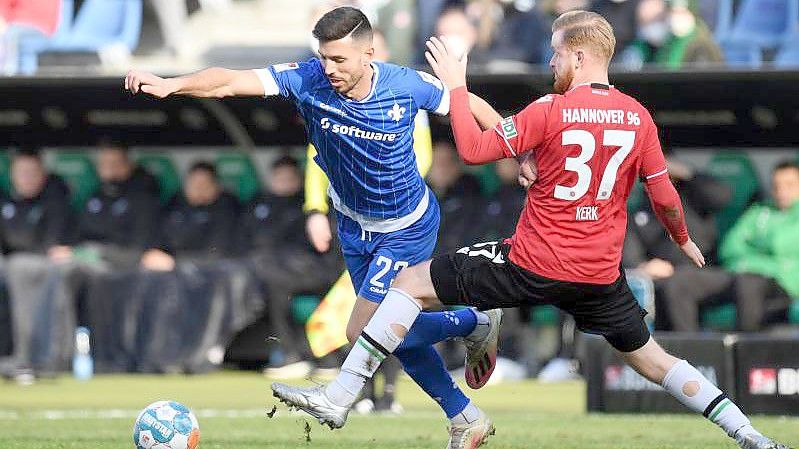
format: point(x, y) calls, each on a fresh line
point(590, 143)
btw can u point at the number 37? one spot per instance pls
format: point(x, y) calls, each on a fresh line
point(611, 137)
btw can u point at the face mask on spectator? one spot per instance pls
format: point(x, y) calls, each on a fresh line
point(682, 23)
point(654, 33)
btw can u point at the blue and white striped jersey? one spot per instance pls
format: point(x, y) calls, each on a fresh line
point(365, 147)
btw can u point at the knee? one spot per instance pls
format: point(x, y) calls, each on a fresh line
point(353, 333)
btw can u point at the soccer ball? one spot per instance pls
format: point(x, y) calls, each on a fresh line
point(166, 425)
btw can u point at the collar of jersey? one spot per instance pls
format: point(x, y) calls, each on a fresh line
point(371, 91)
point(587, 84)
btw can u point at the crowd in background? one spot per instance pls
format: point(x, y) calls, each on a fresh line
point(502, 35)
point(173, 257)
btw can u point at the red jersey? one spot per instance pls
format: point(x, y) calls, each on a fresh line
point(590, 145)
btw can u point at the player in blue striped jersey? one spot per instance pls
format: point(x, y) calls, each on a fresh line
point(359, 114)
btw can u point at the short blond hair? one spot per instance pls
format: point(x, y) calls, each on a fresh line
point(585, 28)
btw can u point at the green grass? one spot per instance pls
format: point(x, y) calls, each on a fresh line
point(232, 407)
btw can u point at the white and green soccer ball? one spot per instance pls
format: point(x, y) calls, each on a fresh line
point(166, 425)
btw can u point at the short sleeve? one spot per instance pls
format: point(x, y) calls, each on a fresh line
point(286, 79)
point(525, 131)
point(429, 92)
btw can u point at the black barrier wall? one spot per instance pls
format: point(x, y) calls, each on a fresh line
point(694, 109)
point(760, 373)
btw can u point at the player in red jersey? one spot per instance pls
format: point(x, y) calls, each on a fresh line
point(590, 142)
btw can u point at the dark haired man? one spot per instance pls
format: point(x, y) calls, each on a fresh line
point(359, 115)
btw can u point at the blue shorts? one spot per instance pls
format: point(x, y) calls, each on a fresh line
point(374, 259)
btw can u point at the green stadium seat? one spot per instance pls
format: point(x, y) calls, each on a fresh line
point(237, 173)
point(77, 169)
point(161, 166)
point(5, 172)
point(637, 197)
point(720, 318)
point(303, 306)
point(489, 181)
point(793, 312)
point(735, 169)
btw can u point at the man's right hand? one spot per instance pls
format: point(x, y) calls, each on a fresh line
point(693, 252)
point(137, 81)
point(318, 228)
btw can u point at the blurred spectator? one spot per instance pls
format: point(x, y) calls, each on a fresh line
point(119, 221)
point(397, 19)
point(22, 20)
point(621, 15)
point(503, 208)
point(198, 225)
point(759, 261)
point(456, 25)
point(651, 253)
point(510, 30)
point(459, 198)
point(285, 262)
point(172, 16)
point(672, 36)
point(34, 218)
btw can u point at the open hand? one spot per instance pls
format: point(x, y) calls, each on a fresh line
point(318, 228)
point(693, 252)
point(137, 81)
point(448, 62)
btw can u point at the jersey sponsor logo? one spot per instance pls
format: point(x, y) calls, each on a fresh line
point(508, 128)
point(354, 131)
point(329, 108)
point(431, 79)
point(587, 213)
point(396, 113)
point(287, 66)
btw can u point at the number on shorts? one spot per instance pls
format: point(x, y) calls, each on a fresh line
point(386, 264)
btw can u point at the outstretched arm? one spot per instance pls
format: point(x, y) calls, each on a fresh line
point(487, 117)
point(214, 82)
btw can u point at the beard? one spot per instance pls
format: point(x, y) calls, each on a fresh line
point(564, 81)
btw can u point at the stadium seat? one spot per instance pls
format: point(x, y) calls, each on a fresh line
point(101, 23)
point(764, 23)
point(793, 312)
point(742, 54)
point(237, 173)
point(736, 170)
point(720, 318)
point(637, 197)
point(489, 181)
point(31, 44)
point(78, 171)
point(5, 172)
point(303, 306)
point(161, 166)
point(788, 55)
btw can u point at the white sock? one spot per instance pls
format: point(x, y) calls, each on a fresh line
point(482, 328)
point(707, 400)
point(375, 343)
point(469, 415)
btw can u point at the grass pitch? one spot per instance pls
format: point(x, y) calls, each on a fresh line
point(232, 408)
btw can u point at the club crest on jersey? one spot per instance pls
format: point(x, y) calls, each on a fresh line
point(508, 128)
point(287, 66)
point(396, 112)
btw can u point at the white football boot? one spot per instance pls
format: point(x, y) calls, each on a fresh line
point(313, 401)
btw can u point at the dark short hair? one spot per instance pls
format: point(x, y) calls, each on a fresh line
point(786, 164)
point(108, 142)
point(203, 166)
point(285, 161)
point(342, 22)
point(27, 152)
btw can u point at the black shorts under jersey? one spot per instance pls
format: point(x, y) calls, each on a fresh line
point(482, 276)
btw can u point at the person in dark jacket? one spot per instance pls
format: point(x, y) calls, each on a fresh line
point(34, 217)
point(118, 222)
point(273, 227)
point(198, 225)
